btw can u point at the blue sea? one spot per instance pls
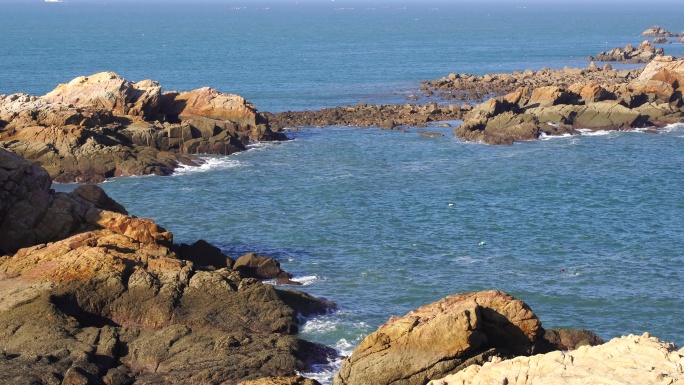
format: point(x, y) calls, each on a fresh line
point(588, 230)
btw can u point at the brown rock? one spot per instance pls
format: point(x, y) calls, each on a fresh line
point(256, 266)
point(108, 91)
point(437, 339)
point(657, 31)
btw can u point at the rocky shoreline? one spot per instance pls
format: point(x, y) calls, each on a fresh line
point(90, 294)
point(103, 126)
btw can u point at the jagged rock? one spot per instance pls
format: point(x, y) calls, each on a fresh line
point(643, 54)
point(441, 338)
point(475, 88)
point(657, 31)
point(110, 92)
point(654, 98)
point(626, 360)
point(661, 40)
point(114, 303)
point(103, 126)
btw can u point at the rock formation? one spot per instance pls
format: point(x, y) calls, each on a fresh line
point(97, 296)
point(652, 99)
point(445, 337)
point(644, 53)
point(102, 126)
point(627, 360)
point(364, 115)
point(471, 88)
point(657, 31)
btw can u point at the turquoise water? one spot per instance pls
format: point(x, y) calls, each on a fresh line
point(587, 230)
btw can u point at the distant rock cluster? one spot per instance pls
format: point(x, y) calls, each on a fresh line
point(644, 53)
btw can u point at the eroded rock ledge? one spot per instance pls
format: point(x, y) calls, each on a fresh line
point(102, 126)
point(91, 295)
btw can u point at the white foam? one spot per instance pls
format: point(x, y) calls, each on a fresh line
point(588, 132)
point(306, 280)
point(545, 136)
point(210, 164)
point(673, 127)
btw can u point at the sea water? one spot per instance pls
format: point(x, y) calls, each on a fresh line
point(586, 229)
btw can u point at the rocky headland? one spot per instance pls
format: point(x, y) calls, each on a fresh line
point(92, 295)
point(658, 31)
point(102, 126)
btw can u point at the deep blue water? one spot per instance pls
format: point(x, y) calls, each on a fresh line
point(587, 230)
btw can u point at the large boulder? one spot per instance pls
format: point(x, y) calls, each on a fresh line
point(627, 360)
point(108, 91)
point(442, 338)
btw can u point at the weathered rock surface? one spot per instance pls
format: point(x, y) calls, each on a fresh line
point(364, 115)
point(652, 99)
point(658, 31)
point(626, 360)
point(644, 53)
point(102, 126)
point(465, 87)
point(444, 337)
point(106, 298)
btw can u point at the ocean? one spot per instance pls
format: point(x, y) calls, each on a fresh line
point(586, 229)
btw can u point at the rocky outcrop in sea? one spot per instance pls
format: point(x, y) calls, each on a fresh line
point(471, 88)
point(102, 126)
point(654, 99)
point(644, 53)
point(658, 31)
point(92, 295)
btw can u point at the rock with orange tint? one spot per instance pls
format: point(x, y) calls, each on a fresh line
point(441, 338)
point(110, 92)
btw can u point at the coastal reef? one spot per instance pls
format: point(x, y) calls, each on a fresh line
point(92, 295)
point(653, 99)
point(384, 116)
point(103, 126)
